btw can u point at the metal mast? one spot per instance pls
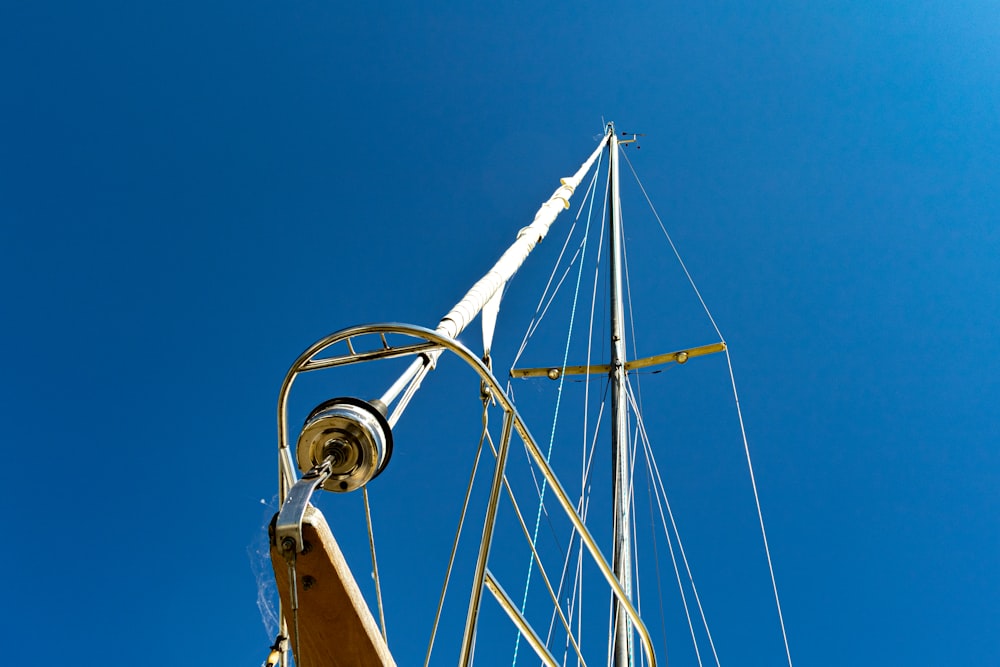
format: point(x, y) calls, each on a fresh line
point(622, 536)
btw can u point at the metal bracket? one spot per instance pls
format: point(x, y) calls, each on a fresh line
point(279, 647)
point(288, 527)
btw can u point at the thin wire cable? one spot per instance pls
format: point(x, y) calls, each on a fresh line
point(590, 347)
point(635, 548)
point(637, 406)
point(587, 458)
point(539, 313)
point(562, 582)
point(555, 419)
point(538, 492)
point(378, 585)
point(458, 533)
point(591, 191)
point(651, 460)
point(760, 515)
point(577, 598)
point(673, 247)
point(411, 389)
point(656, 560)
point(593, 307)
point(635, 354)
point(538, 559)
point(673, 560)
point(581, 506)
point(739, 412)
point(535, 323)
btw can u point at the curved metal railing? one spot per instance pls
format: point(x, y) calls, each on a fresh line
point(429, 343)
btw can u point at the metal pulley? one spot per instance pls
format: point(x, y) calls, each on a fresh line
point(353, 435)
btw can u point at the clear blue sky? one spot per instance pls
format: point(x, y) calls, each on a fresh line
point(192, 192)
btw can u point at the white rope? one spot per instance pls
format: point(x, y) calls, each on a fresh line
point(587, 459)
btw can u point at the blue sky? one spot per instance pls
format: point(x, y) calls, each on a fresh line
point(192, 193)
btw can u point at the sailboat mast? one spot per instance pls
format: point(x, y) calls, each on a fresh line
point(622, 536)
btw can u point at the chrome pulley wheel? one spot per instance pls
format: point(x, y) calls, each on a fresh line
point(353, 435)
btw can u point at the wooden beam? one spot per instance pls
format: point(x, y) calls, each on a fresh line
point(680, 356)
point(337, 627)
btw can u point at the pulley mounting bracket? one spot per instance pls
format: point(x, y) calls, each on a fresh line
point(288, 527)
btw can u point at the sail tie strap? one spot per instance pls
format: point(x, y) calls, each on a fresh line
point(489, 316)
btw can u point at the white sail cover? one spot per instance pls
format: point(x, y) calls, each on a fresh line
point(490, 285)
point(489, 317)
point(489, 288)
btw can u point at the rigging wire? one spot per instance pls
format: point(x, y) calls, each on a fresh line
point(631, 459)
point(575, 602)
point(760, 515)
point(458, 533)
point(739, 412)
point(674, 248)
point(576, 598)
point(590, 346)
point(635, 541)
point(656, 562)
point(538, 493)
point(540, 312)
point(587, 454)
point(582, 505)
point(651, 464)
point(555, 416)
point(533, 325)
point(541, 568)
point(637, 406)
point(371, 545)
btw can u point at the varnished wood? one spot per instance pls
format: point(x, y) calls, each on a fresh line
point(680, 356)
point(337, 627)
